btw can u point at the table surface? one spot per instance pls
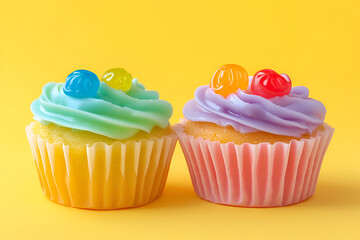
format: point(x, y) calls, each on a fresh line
point(174, 47)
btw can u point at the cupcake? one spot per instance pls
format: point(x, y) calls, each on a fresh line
point(253, 141)
point(101, 144)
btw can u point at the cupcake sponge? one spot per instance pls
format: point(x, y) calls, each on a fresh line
point(214, 132)
point(79, 139)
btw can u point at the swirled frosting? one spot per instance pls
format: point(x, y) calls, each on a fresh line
point(112, 113)
point(292, 115)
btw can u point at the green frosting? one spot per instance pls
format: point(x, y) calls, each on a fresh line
point(111, 113)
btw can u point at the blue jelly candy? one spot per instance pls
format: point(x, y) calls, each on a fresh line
point(81, 84)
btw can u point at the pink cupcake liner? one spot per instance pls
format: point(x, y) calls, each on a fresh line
point(255, 175)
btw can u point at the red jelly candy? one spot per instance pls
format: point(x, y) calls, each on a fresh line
point(268, 84)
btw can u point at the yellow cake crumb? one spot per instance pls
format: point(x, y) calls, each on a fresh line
point(79, 139)
point(214, 132)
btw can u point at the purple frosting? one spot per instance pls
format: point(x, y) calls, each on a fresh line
point(292, 115)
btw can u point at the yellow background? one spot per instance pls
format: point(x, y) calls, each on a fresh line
point(173, 47)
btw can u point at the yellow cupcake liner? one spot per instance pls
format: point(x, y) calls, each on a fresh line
point(121, 175)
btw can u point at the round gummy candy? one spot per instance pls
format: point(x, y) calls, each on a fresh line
point(268, 84)
point(81, 84)
point(118, 78)
point(228, 79)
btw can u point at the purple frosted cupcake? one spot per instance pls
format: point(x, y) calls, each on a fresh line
point(254, 142)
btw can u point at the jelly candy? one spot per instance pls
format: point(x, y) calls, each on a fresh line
point(118, 78)
point(81, 84)
point(228, 79)
point(268, 84)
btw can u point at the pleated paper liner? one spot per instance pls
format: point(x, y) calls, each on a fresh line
point(121, 175)
point(255, 175)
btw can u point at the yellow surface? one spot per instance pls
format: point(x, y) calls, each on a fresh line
point(173, 47)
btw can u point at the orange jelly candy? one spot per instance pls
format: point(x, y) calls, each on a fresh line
point(228, 79)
